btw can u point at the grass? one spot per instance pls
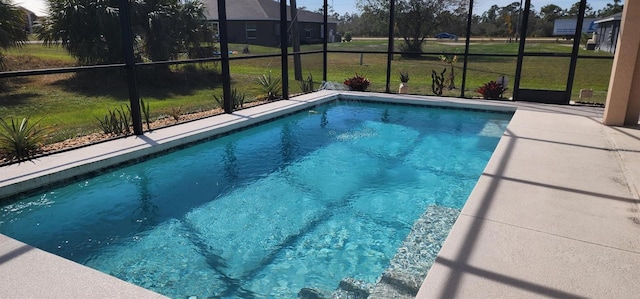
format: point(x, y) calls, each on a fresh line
point(70, 104)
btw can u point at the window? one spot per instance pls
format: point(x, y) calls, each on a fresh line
point(214, 26)
point(307, 32)
point(251, 30)
point(276, 29)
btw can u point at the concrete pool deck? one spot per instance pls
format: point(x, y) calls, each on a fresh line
point(555, 213)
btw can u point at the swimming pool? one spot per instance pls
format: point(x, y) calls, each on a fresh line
point(304, 201)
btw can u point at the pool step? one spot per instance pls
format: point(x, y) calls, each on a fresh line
point(409, 267)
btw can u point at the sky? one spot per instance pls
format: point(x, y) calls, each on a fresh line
point(343, 6)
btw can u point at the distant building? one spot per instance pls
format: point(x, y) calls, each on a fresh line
point(257, 22)
point(30, 19)
point(607, 33)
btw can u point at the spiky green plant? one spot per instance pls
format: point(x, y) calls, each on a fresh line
point(306, 85)
point(219, 100)
point(21, 140)
point(117, 121)
point(125, 119)
point(146, 111)
point(237, 99)
point(271, 86)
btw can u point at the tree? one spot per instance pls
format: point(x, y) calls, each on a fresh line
point(12, 28)
point(415, 19)
point(374, 19)
point(169, 27)
point(611, 9)
point(501, 21)
point(548, 14)
point(90, 29)
point(551, 12)
point(574, 10)
point(418, 19)
point(511, 19)
point(331, 13)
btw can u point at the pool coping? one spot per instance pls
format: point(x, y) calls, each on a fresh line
point(65, 166)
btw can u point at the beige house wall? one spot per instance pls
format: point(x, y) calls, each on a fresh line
point(623, 98)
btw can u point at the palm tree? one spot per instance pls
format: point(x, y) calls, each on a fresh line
point(12, 28)
point(168, 27)
point(90, 29)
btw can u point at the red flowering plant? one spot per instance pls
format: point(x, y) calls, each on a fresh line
point(491, 90)
point(357, 83)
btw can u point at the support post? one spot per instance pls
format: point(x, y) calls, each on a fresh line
point(392, 12)
point(224, 55)
point(284, 42)
point(623, 96)
point(295, 40)
point(574, 53)
point(523, 39)
point(325, 41)
point(130, 66)
point(466, 49)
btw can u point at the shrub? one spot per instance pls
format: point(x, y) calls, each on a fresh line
point(437, 82)
point(20, 141)
point(357, 83)
point(491, 90)
point(271, 86)
point(411, 49)
point(347, 36)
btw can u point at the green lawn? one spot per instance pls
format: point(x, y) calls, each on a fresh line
point(71, 104)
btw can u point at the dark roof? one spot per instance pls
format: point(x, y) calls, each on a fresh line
point(613, 17)
point(254, 10)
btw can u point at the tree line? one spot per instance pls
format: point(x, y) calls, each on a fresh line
point(419, 19)
point(163, 29)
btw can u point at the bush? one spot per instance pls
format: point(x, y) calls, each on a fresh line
point(411, 49)
point(357, 83)
point(491, 90)
point(347, 36)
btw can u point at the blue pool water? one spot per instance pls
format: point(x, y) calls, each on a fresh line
point(300, 202)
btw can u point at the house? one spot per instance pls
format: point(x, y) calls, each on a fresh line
point(607, 33)
point(257, 22)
